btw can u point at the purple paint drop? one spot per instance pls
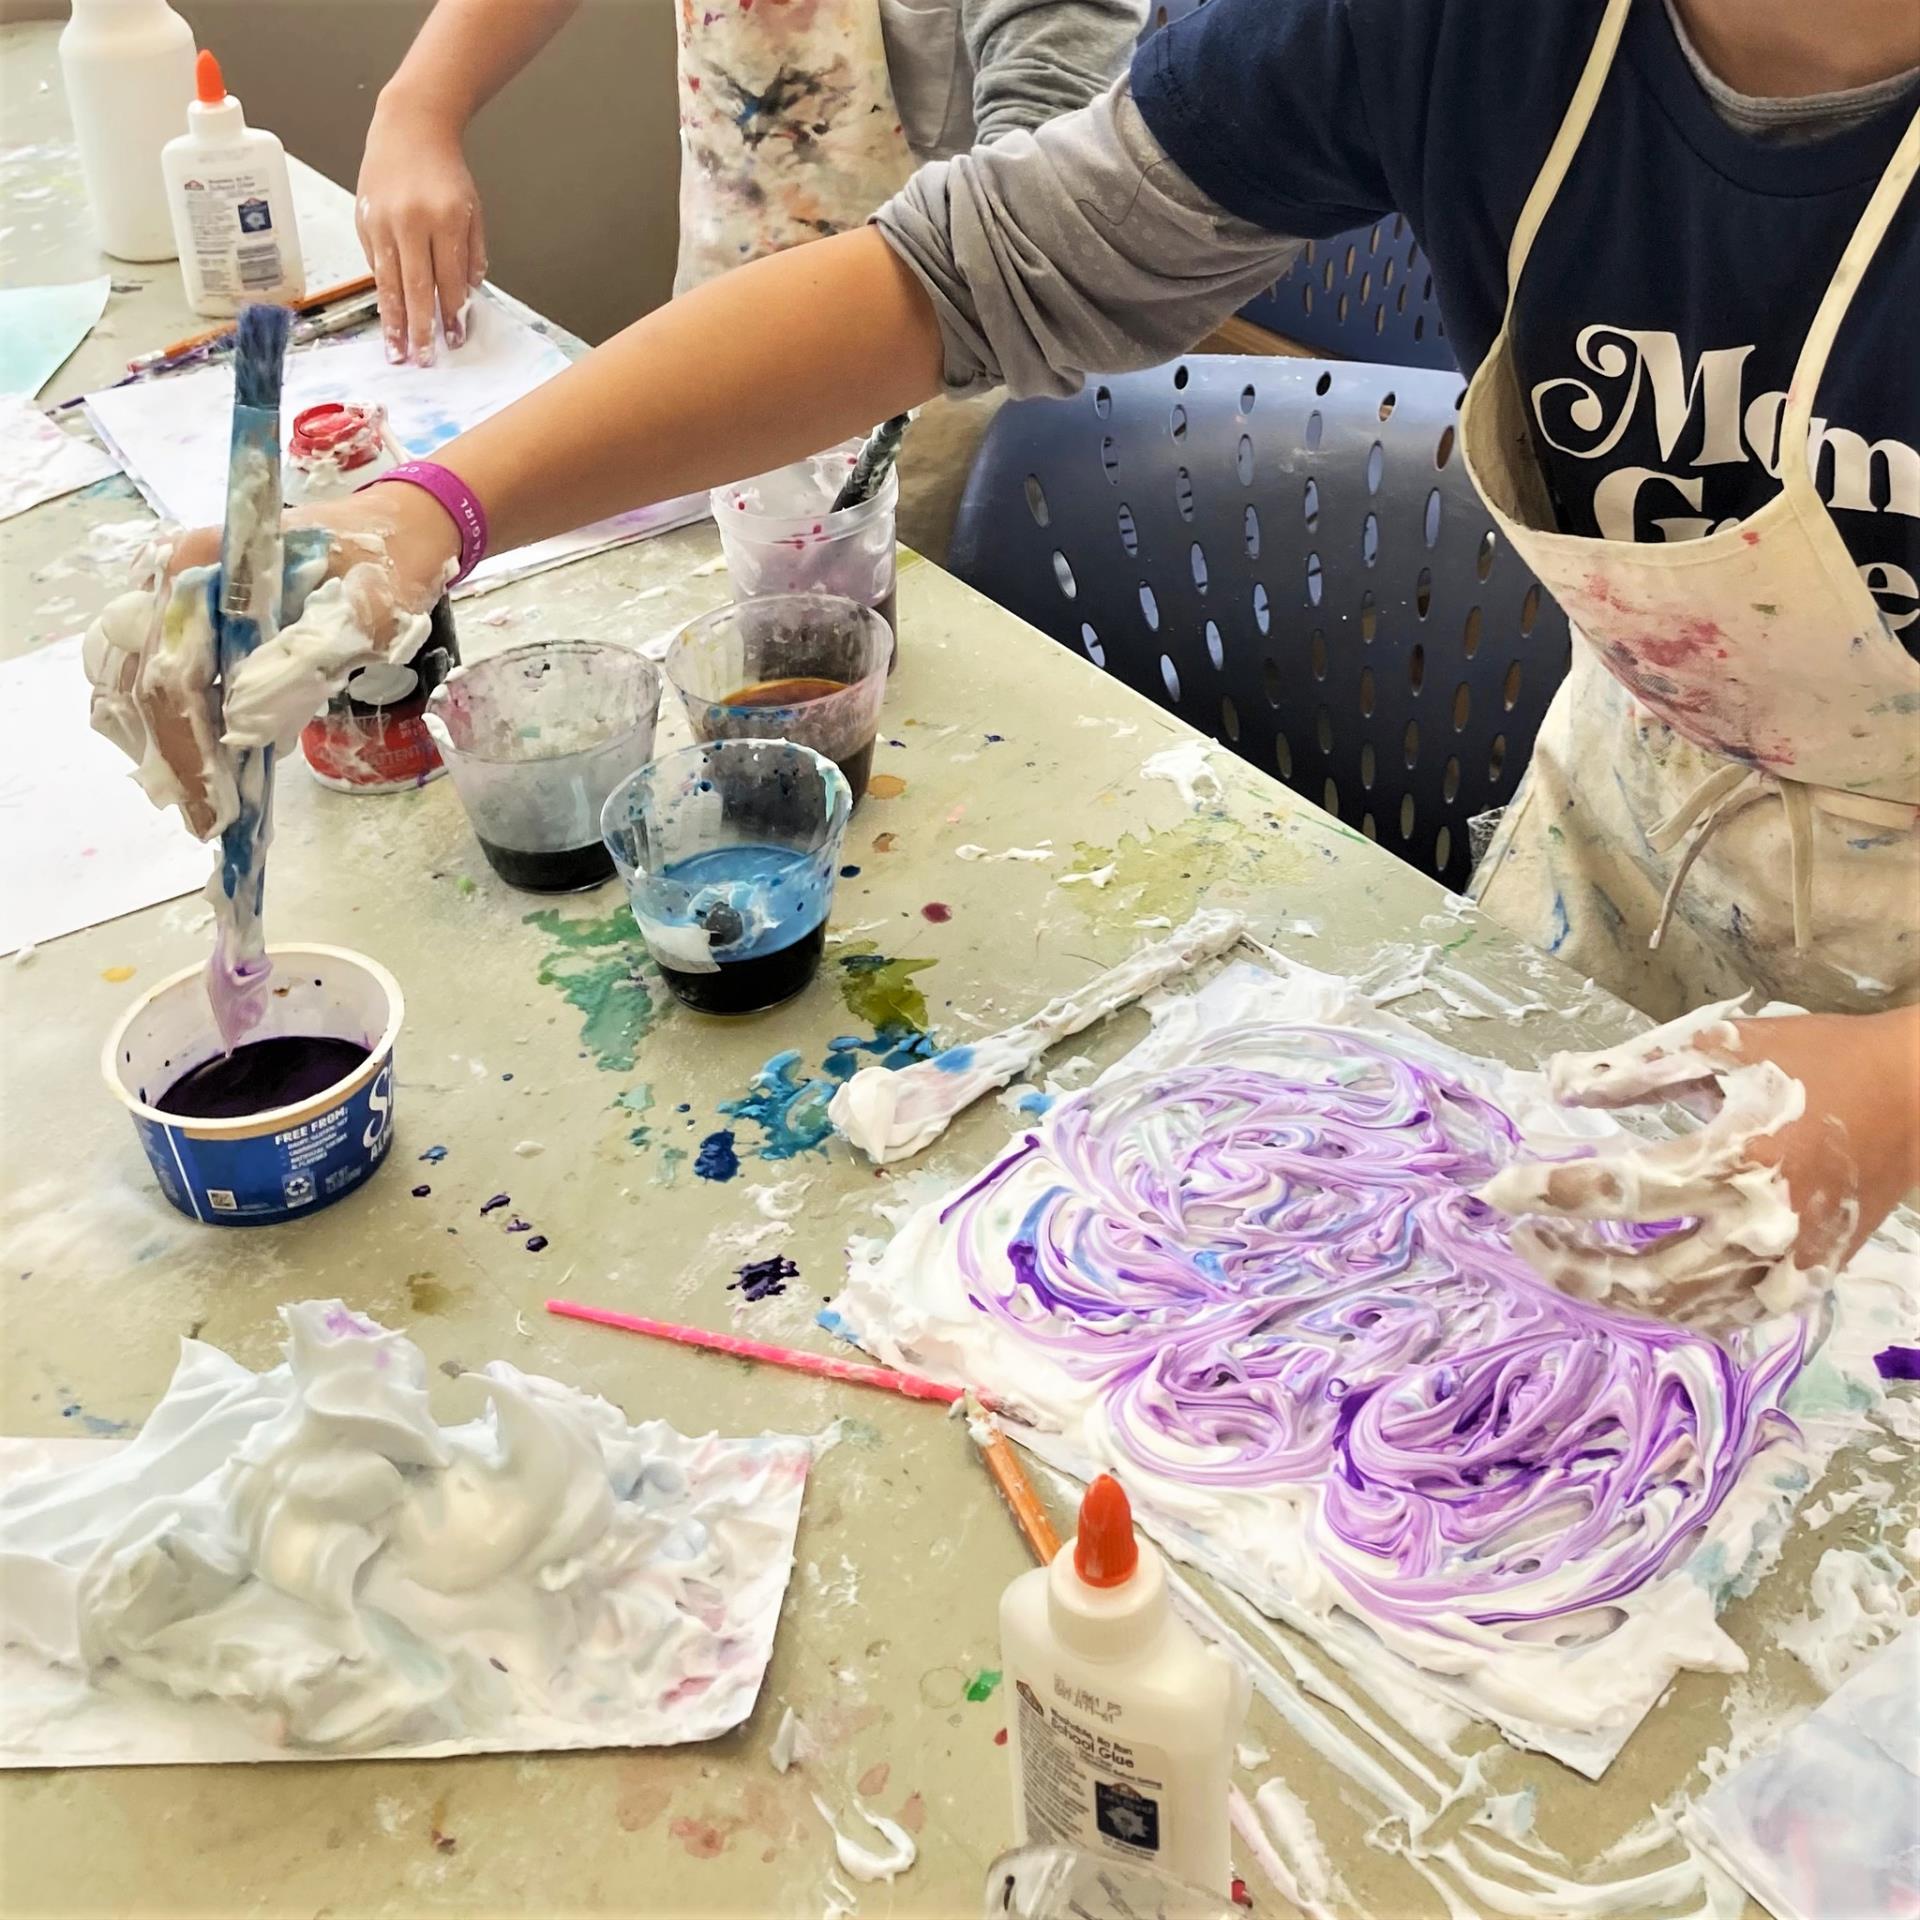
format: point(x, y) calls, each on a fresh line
point(538, 1244)
point(761, 1279)
point(420, 1193)
point(1898, 1363)
point(498, 1201)
point(517, 1225)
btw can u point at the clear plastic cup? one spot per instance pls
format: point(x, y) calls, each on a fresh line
point(780, 534)
point(535, 739)
point(807, 667)
point(729, 851)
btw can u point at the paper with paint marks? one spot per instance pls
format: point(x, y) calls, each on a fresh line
point(1247, 1272)
point(304, 1564)
point(171, 433)
point(79, 842)
point(39, 461)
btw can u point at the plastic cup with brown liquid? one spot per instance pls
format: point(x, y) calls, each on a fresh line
point(805, 667)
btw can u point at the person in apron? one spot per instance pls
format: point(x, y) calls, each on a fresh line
point(1726, 794)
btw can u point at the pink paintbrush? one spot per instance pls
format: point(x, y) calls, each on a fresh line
point(915, 1386)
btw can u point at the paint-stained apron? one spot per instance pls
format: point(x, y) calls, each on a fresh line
point(788, 127)
point(1725, 792)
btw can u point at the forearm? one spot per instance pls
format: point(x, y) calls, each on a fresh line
point(467, 51)
point(761, 367)
point(1036, 59)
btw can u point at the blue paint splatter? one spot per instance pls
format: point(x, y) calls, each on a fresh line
point(96, 1424)
point(848, 873)
point(717, 1159)
point(994, 739)
point(789, 1107)
point(833, 1323)
point(1034, 1102)
point(435, 1154)
point(954, 1060)
point(1561, 929)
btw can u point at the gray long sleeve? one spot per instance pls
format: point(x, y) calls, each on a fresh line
point(1078, 248)
point(1036, 59)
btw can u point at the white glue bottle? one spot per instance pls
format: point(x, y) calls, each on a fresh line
point(1123, 1718)
point(232, 204)
point(126, 66)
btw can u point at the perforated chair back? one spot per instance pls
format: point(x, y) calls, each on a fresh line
point(1289, 555)
point(1367, 295)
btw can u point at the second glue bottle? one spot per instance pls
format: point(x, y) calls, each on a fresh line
point(1123, 1718)
point(232, 204)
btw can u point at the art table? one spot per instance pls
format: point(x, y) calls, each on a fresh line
point(543, 1056)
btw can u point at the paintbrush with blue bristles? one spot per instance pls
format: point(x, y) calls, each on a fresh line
point(247, 613)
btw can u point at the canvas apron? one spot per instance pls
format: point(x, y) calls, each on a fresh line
point(1723, 793)
point(788, 127)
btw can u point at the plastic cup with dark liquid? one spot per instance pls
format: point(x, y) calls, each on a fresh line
point(729, 850)
point(807, 667)
point(779, 534)
point(535, 739)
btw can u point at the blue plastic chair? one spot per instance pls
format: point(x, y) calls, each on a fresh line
point(1289, 555)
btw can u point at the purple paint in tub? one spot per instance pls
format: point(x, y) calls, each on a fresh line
point(312, 1140)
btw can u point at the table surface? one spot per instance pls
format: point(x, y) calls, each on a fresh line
point(537, 1021)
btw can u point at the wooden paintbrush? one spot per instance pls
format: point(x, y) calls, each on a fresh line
point(1011, 1478)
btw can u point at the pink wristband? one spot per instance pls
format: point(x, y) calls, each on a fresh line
point(463, 508)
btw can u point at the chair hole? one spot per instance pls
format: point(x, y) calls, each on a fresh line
point(1243, 460)
point(1197, 560)
point(1270, 680)
point(1216, 647)
point(1310, 253)
point(1229, 720)
point(1326, 276)
point(1366, 692)
point(1450, 780)
point(1366, 288)
point(1388, 271)
point(1406, 816)
point(1483, 560)
point(1180, 377)
point(1314, 427)
point(1419, 326)
point(1324, 385)
point(1323, 730)
point(1462, 706)
point(1262, 610)
point(1110, 458)
point(1388, 401)
point(1444, 451)
point(1367, 766)
point(1410, 744)
point(1433, 518)
point(1177, 423)
point(1369, 618)
point(1370, 538)
point(1169, 678)
point(1091, 641)
point(1497, 756)
point(1442, 849)
point(1379, 319)
point(1063, 572)
point(1417, 667)
point(1423, 593)
point(1529, 605)
point(1250, 533)
point(1470, 633)
point(1316, 580)
point(1283, 756)
point(1317, 653)
point(1353, 259)
point(1368, 828)
point(1149, 607)
point(1129, 532)
point(1426, 290)
point(1510, 686)
point(1340, 312)
point(1310, 501)
point(1183, 492)
point(1102, 402)
point(1306, 298)
point(1399, 225)
point(1376, 466)
point(1247, 398)
point(1037, 501)
point(1330, 797)
point(1400, 299)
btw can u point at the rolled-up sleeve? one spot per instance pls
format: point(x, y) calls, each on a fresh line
point(1074, 249)
point(1034, 60)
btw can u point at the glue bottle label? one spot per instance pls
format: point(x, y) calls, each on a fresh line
point(234, 241)
point(1083, 1787)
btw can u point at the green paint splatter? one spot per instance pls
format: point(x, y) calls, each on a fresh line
point(981, 1686)
point(1453, 946)
point(1168, 873)
point(466, 883)
point(672, 1159)
point(601, 966)
point(859, 1433)
point(638, 1100)
point(880, 990)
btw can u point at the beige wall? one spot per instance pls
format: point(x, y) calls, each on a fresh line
point(577, 160)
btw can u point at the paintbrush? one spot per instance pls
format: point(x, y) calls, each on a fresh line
point(248, 614)
point(873, 463)
point(1011, 1478)
point(227, 332)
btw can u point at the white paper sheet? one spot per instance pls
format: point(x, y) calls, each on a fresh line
point(79, 841)
point(39, 461)
point(172, 433)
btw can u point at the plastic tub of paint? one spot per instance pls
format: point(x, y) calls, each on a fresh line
point(729, 851)
point(780, 534)
point(536, 738)
point(310, 1140)
point(807, 667)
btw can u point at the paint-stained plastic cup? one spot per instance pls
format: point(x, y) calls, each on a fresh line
point(269, 1166)
point(536, 738)
point(780, 534)
point(807, 667)
point(729, 851)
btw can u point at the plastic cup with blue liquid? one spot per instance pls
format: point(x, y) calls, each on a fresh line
point(729, 851)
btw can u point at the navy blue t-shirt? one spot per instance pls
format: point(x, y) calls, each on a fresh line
point(1671, 286)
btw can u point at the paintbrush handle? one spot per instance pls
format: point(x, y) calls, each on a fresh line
point(870, 468)
point(914, 1386)
point(308, 303)
point(1031, 1517)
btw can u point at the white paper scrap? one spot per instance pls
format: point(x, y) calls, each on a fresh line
point(39, 461)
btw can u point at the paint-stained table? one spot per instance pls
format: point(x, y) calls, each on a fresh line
point(543, 1056)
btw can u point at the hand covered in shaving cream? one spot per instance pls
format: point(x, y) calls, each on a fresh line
point(1811, 1137)
point(359, 580)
